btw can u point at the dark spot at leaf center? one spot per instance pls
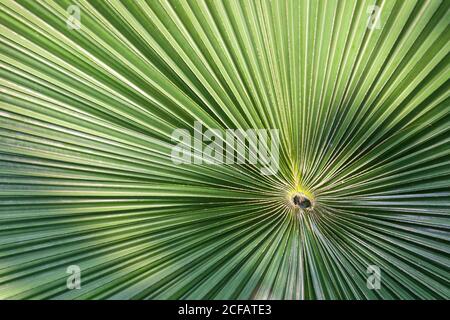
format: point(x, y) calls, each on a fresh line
point(301, 201)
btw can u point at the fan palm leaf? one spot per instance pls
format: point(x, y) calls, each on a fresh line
point(87, 114)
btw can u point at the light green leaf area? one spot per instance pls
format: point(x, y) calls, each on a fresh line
point(86, 175)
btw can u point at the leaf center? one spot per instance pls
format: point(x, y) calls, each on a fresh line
point(301, 201)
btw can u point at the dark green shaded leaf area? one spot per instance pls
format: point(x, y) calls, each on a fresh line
point(86, 177)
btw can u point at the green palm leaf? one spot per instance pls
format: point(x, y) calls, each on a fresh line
point(86, 117)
